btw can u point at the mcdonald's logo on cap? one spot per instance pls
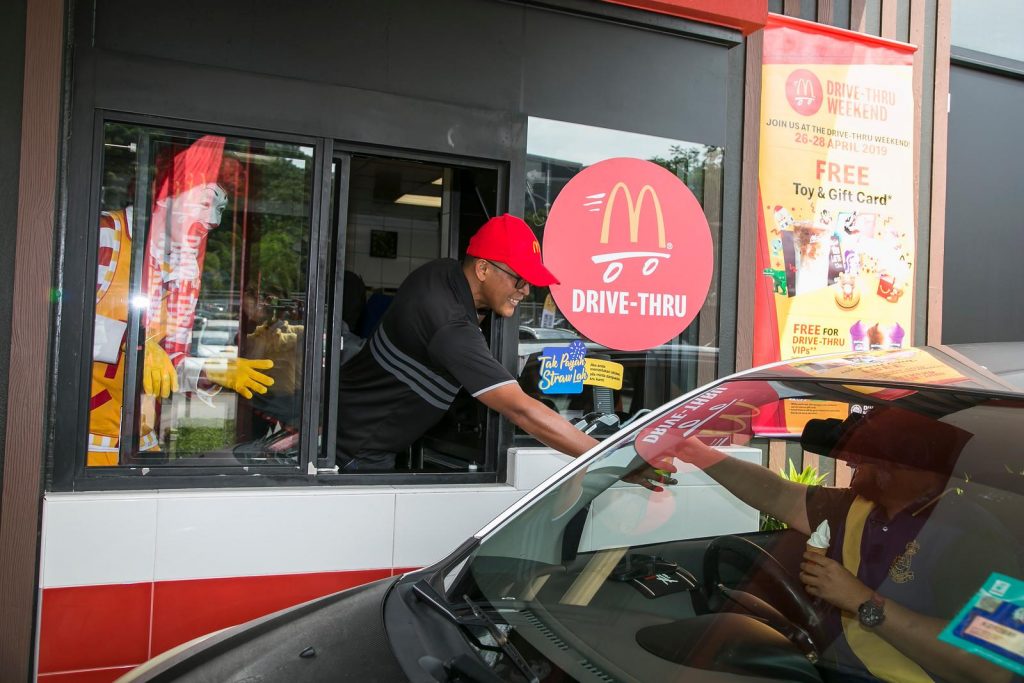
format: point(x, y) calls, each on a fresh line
point(536, 247)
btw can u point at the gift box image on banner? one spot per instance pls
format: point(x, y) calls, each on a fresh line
point(836, 238)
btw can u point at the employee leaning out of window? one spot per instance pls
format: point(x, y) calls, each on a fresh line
point(429, 344)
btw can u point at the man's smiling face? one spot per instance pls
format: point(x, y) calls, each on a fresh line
point(499, 289)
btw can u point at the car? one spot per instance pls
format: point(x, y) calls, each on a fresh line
point(594, 576)
point(527, 333)
point(214, 338)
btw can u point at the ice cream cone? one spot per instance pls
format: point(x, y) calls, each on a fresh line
point(819, 541)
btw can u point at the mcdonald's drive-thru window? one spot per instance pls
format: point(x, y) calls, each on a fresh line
point(604, 127)
point(637, 310)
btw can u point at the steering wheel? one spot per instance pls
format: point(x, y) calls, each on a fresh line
point(807, 634)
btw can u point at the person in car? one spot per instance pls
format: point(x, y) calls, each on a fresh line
point(429, 344)
point(906, 552)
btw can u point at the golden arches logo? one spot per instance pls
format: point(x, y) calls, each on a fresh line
point(633, 212)
point(803, 89)
point(536, 247)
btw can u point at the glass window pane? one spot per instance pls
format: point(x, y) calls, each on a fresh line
point(404, 215)
point(991, 26)
point(557, 151)
point(203, 263)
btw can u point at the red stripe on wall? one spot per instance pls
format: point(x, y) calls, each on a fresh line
point(183, 610)
point(91, 627)
point(89, 634)
point(89, 676)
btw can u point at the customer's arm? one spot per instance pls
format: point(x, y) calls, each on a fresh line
point(755, 485)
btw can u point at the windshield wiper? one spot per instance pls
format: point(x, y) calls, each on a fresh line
point(427, 593)
point(501, 638)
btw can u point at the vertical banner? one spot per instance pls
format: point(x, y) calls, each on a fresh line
point(836, 236)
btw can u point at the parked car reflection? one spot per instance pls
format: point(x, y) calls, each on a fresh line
point(214, 338)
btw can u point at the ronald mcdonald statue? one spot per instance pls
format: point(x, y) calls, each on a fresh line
point(189, 197)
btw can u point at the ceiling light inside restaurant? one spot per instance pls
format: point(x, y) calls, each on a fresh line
point(419, 200)
point(439, 181)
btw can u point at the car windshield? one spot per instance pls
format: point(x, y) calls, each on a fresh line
point(915, 494)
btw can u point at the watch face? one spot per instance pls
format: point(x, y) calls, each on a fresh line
point(871, 613)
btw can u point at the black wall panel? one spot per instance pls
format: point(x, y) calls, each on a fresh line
point(601, 74)
point(486, 55)
point(401, 46)
point(984, 251)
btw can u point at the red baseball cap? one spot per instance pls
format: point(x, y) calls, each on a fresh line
point(509, 240)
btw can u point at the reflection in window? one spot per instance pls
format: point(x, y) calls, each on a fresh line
point(557, 151)
point(200, 299)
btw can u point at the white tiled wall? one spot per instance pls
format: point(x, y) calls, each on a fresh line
point(427, 523)
point(419, 241)
point(104, 538)
point(98, 539)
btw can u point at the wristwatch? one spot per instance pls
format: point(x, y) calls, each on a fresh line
point(871, 612)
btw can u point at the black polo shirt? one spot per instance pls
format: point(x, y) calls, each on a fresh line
point(428, 345)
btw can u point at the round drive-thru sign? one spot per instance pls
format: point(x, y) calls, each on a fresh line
point(632, 248)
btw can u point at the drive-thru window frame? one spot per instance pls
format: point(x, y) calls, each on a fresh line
point(110, 86)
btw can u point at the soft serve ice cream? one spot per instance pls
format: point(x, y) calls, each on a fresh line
point(820, 539)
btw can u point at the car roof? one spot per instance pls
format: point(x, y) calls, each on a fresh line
point(1003, 359)
point(961, 366)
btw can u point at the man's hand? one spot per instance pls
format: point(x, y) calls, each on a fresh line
point(241, 374)
point(651, 478)
point(159, 376)
point(832, 582)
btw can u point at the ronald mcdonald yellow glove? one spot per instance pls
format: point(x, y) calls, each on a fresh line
point(159, 376)
point(241, 374)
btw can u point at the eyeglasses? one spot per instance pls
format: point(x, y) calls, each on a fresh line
point(520, 281)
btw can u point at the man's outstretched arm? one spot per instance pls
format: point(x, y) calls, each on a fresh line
point(537, 419)
point(553, 430)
